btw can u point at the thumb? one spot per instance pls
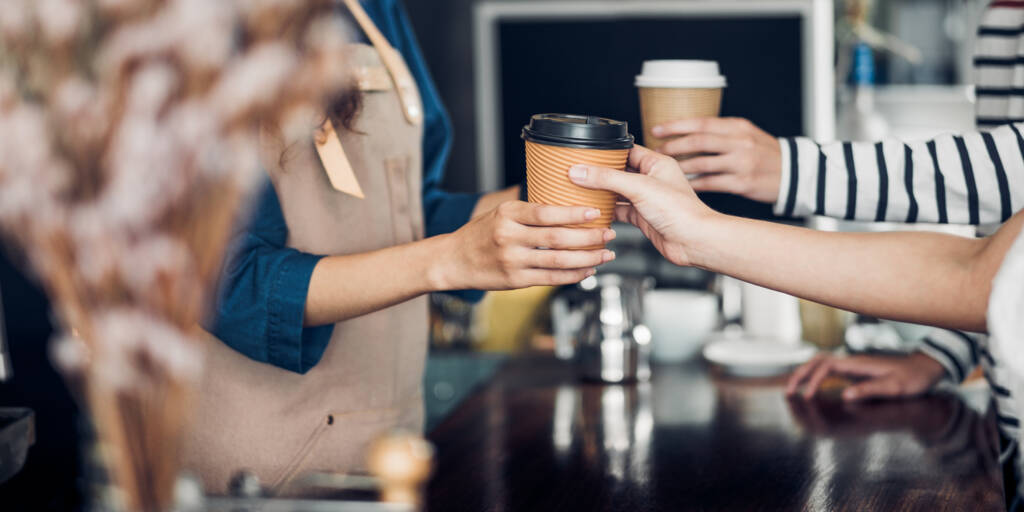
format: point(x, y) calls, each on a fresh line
point(885, 387)
point(629, 185)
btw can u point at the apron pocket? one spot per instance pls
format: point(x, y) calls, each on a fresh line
point(401, 202)
point(338, 445)
point(299, 459)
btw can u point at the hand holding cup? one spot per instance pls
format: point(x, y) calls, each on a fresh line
point(735, 156)
point(521, 244)
point(662, 203)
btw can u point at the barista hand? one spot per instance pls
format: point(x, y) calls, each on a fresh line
point(664, 206)
point(499, 250)
point(883, 376)
point(743, 159)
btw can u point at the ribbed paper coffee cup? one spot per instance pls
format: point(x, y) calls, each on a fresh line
point(556, 142)
point(671, 90)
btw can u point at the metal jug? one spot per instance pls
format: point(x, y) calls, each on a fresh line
point(598, 324)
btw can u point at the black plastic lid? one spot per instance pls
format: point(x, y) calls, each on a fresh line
point(574, 131)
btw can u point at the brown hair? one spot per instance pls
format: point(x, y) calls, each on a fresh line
point(342, 110)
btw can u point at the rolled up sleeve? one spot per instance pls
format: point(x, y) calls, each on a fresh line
point(261, 294)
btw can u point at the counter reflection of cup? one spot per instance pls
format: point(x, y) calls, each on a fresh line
point(556, 142)
point(671, 90)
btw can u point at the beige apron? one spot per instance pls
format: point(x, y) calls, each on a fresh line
point(280, 424)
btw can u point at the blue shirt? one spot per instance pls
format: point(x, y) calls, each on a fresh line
point(261, 296)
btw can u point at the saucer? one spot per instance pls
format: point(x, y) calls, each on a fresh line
point(746, 356)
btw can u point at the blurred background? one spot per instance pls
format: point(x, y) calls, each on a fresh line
point(498, 62)
point(941, 31)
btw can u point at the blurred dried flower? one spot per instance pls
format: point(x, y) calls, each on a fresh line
point(60, 20)
point(129, 134)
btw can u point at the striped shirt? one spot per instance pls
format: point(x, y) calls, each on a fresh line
point(999, 65)
point(975, 178)
point(958, 179)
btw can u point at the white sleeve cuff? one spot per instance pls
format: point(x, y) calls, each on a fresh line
point(784, 178)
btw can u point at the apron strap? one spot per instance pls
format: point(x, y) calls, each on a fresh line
point(408, 93)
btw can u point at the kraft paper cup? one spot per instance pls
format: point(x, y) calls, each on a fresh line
point(660, 105)
point(547, 179)
point(671, 90)
point(556, 142)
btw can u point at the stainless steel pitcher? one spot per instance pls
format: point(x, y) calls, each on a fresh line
point(598, 324)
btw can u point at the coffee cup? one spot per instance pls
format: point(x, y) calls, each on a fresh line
point(556, 142)
point(671, 90)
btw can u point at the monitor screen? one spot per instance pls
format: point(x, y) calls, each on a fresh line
point(587, 66)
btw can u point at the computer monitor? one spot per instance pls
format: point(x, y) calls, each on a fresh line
point(581, 57)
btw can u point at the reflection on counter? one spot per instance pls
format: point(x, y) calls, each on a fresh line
point(691, 436)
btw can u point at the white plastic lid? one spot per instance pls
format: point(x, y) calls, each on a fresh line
point(698, 74)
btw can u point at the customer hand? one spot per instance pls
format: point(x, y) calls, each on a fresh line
point(498, 250)
point(884, 376)
point(662, 205)
point(743, 159)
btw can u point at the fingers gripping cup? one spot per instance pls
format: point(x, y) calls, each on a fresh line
point(556, 142)
point(677, 89)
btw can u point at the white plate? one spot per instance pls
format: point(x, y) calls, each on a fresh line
point(752, 357)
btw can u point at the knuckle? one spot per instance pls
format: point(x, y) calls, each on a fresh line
point(559, 260)
point(506, 209)
point(549, 278)
point(544, 215)
point(556, 239)
point(650, 159)
point(502, 235)
point(506, 260)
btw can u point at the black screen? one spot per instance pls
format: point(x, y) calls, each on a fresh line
point(588, 67)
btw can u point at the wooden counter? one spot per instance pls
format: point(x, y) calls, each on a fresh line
point(536, 439)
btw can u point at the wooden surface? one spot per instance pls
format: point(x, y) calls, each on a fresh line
point(537, 439)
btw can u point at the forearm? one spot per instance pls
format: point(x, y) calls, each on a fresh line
point(344, 287)
point(496, 251)
point(924, 278)
point(927, 278)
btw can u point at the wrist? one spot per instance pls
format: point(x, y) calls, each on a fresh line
point(704, 236)
point(441, 271)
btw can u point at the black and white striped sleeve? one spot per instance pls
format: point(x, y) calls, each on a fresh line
point(976, 178)
point(956, 351)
